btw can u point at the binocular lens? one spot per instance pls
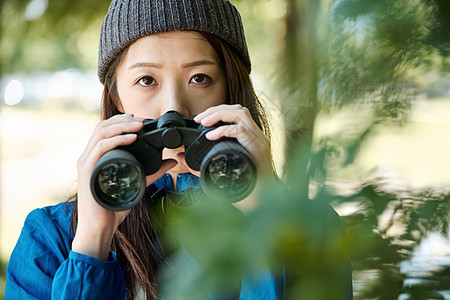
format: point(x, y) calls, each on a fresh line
point(118, 183)
point(118, 180)
point(229, 172)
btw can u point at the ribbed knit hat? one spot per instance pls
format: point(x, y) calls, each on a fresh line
point(129, 20)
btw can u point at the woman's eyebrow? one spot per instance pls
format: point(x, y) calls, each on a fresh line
point(197, 63)
point(144, 65)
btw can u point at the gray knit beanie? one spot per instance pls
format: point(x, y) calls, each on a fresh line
point(129, 20)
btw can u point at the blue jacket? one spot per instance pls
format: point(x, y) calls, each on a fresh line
point(42, 265)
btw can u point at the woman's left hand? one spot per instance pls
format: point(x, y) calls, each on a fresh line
point(244, 130)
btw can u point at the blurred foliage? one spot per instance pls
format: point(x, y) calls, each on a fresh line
point(346, 51)
point(2, 278)
point(439, 37)
point(373, 52)
point(384, 230)
point(302, 236)
point(64, 36)
point(386, 223)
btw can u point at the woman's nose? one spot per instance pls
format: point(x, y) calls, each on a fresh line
point(174, 98)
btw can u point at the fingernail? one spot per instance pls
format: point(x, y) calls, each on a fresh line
point(136, 123)
point(197, 117)
point(208, 135)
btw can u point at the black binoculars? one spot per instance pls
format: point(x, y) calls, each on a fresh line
point(226, 168)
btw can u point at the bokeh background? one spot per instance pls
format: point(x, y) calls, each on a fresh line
point(359, 97)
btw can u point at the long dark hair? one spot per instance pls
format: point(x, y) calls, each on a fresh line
point(137, 241)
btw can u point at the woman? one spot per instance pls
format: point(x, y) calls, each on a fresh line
point(154, 56)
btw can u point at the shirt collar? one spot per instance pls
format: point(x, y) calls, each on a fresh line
point(164, 185)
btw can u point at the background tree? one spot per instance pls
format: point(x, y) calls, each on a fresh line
point(339, 53)
point(49, 34)
point(364, 53)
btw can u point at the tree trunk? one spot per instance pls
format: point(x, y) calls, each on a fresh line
point(300, 103)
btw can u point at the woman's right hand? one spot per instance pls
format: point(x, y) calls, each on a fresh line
point(96, 225)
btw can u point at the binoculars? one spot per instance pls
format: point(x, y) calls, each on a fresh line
point(226, 168)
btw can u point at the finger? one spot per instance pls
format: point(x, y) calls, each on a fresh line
point(121, 118)
point(231, 114)
point(237, 131)
point(116, 125)
point(111, 128)
point(211, 114)
point(231, 131)
point(212, 110)
point(257, 145)
point(166, 165)
point(244, 130)
point(119, 128)
point(243, 136)
point(103, 146)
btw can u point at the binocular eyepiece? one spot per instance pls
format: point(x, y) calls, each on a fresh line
point(226, 168)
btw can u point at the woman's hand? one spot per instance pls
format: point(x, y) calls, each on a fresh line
point(96, 225)
point(244, 130)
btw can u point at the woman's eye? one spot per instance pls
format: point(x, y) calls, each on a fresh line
point(200, 79)
point(146, 81)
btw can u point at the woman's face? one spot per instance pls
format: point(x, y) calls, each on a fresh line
point(170, 71)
